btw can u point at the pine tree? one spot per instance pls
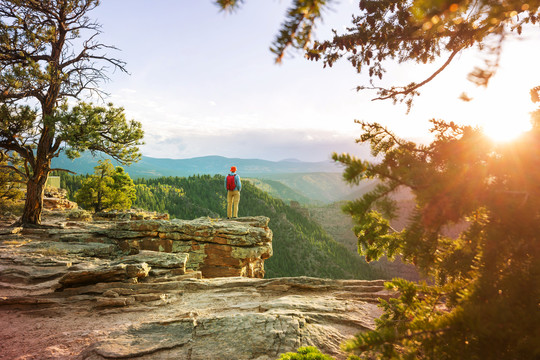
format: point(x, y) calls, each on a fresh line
point(123, 190)
point(483, 303)
point(108, 188)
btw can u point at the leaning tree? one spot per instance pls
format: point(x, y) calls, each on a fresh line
point(49, 54)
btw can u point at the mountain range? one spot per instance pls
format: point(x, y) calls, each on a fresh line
point(149, 167)
point(290, 179)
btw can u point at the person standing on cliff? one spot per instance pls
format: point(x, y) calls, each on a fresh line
point(233, 186)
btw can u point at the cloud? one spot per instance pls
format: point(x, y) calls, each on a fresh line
point(275, 145)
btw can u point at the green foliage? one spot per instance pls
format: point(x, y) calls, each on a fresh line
point(483, 303)
point(297, 29)
point(109, 188)
point(306, 353)
point(96, 128)
point(11, 178)
point(229, 5)
point(123, 190)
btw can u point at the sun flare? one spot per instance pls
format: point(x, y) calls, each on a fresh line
point(506, 132)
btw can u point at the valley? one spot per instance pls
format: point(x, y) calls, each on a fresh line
point(304, 208)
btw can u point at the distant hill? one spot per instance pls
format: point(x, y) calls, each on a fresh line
point(149, 167)
point(320, 187)
point(290, 179)
point(308, 188)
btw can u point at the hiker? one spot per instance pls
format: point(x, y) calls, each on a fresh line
point(233, 186)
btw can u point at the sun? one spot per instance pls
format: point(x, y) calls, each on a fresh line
point(506, 132)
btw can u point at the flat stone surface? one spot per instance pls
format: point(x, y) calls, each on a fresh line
point(62, 298)
point(222, 318)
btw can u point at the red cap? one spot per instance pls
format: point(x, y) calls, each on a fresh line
point(233, 168)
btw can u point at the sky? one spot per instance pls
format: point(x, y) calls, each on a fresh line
point(203, 82)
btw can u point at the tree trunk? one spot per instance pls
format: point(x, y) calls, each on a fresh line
point(33, 206)
point(35, 187)
point(97, 208)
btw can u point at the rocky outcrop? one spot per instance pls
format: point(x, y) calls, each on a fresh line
point(56, 199)
point(216, 247)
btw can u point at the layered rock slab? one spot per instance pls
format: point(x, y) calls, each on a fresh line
point(216, 247)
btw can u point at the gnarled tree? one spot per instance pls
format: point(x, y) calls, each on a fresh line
point(49, 53)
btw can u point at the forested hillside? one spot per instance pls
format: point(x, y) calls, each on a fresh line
point(281, 191)
point(305, 182)
point(340, 227)
point(301, 246)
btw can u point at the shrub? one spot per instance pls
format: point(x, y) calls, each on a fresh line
point(306, 353)
point(79, 215)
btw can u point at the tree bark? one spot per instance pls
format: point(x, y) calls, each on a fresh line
point(33, 206)
point(35, 188)
point(97, 208)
